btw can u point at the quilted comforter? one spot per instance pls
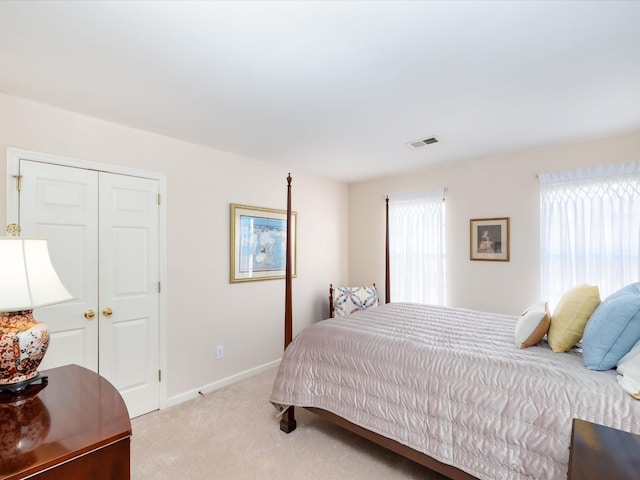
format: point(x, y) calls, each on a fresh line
point(452, 384)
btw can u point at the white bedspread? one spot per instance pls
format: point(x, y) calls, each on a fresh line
point(452, 384)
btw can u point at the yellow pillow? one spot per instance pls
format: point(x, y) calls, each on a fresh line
point(570, 317)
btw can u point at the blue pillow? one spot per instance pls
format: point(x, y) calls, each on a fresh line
point(613, 329)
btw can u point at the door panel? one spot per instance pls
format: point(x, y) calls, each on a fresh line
point(66, 347)
point(131, 351)
point(129, 287)
point(61, 204)
point(131, 247)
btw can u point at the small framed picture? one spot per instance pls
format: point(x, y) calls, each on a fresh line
point(490, 239)
point(258, 243)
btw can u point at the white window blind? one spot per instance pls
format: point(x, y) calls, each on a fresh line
point(590, 228)
point(416, 247)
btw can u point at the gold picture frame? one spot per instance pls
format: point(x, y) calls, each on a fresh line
point(489, 239)
point(258, 243)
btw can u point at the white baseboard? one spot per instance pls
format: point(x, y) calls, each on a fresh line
point(183, 397)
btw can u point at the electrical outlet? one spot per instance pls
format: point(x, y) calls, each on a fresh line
point(219, 352)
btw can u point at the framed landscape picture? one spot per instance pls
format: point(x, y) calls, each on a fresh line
point(258, 243)
point(489, 239)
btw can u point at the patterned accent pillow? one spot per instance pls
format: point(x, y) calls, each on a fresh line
point(347, 300)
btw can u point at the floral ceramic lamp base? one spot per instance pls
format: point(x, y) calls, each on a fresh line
point(23, 343)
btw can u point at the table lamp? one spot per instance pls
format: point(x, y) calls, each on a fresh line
point(27, 281)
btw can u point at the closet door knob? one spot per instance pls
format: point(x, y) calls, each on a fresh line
point(89, 314)
point(107, 312)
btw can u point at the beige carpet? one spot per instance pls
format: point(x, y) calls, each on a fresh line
point(232, 433)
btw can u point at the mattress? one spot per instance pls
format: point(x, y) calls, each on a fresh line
point(452, 384)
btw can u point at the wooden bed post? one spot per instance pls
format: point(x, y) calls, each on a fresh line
point(288, 311)
point(387, 275)
point(288, 421)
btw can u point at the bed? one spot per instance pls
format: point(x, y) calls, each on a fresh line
point(448, 388)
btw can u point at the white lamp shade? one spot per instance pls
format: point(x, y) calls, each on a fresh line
point(27, 277)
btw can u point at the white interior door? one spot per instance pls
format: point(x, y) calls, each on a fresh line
point(103, 240)
point(61, 204)
point(129, 295)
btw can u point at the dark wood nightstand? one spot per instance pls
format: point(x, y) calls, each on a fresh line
point(599, 452)
point(76, 426)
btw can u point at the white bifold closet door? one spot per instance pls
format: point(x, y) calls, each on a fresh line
point(103, 240)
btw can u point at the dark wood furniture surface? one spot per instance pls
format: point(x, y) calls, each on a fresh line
point(74, 426)
point(599, 452)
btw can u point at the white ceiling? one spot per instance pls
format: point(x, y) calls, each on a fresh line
point(335, 88)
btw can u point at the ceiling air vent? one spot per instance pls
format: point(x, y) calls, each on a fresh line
point(422, 143)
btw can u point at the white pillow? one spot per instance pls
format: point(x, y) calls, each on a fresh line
point(629, 371)
point(532, 325)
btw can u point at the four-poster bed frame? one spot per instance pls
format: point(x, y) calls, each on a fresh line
point(288, 422)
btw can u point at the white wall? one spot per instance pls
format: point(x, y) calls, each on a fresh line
point(501, 186)
point(204, 309)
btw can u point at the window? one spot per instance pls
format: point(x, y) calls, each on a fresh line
point(416, 247)
point(590, 228)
